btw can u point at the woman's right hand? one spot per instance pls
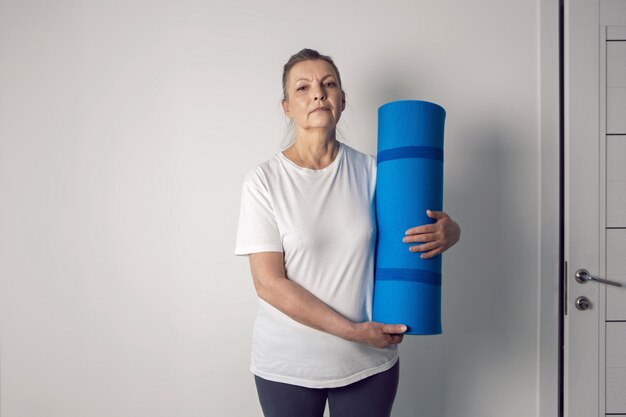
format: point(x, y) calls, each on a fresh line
point(377, 334)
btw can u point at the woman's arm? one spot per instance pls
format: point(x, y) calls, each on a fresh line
point(273, 286)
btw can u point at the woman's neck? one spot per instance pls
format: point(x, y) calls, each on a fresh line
point(314, 151)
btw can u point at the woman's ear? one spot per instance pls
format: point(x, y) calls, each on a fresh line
point(286, 108)
point(343, 101)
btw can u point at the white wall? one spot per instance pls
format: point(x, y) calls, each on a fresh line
point(126, 128)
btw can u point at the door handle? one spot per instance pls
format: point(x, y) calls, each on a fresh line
point(582, 276)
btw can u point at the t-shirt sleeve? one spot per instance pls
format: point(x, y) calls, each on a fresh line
point(257, 230)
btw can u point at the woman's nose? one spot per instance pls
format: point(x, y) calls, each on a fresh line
point(319, 94)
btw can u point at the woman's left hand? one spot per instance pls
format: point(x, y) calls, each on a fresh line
point(436, 237)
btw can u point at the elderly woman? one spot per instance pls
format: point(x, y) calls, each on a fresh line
point(308, 226)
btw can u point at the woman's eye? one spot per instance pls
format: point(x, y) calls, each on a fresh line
point(301, 88)
point(331, 84)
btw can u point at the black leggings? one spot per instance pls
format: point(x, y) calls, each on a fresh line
point(371, 397)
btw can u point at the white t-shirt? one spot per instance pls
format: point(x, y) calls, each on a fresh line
point(324, 222)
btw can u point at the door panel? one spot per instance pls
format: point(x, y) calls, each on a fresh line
point(616, 367)
point(616, 86)
point(616, 174)
point(616, 152)
point(616, 217)
point(616, 64)
point(616, 300)
point(616, 271)
point(615, 395)
point(616, 32)
point(616, 110)
point(616, 252)
point(616, 203)
point(616, 222)
point(616, 345)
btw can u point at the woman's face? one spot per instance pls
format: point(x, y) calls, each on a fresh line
point(314, 98)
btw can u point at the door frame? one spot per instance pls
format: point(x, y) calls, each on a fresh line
point(583, 216)
point(582, 35)
point(553, 17)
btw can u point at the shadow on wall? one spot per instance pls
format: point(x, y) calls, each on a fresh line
point(391, 88)
point(476, 352)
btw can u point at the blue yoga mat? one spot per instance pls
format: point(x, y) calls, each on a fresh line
point(409, 180)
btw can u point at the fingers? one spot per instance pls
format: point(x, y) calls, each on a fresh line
point(436, 214)
point(426, 228)
point(395, 332)
point(426, 247)
point(380, 335)
point(424, 237)
point(394, 328)
point(432, 253)
point(436, 237)
point(432, 248)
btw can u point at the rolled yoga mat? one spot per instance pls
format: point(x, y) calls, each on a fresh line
point(409, 180)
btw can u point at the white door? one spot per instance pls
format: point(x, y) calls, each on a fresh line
point(595, 207)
